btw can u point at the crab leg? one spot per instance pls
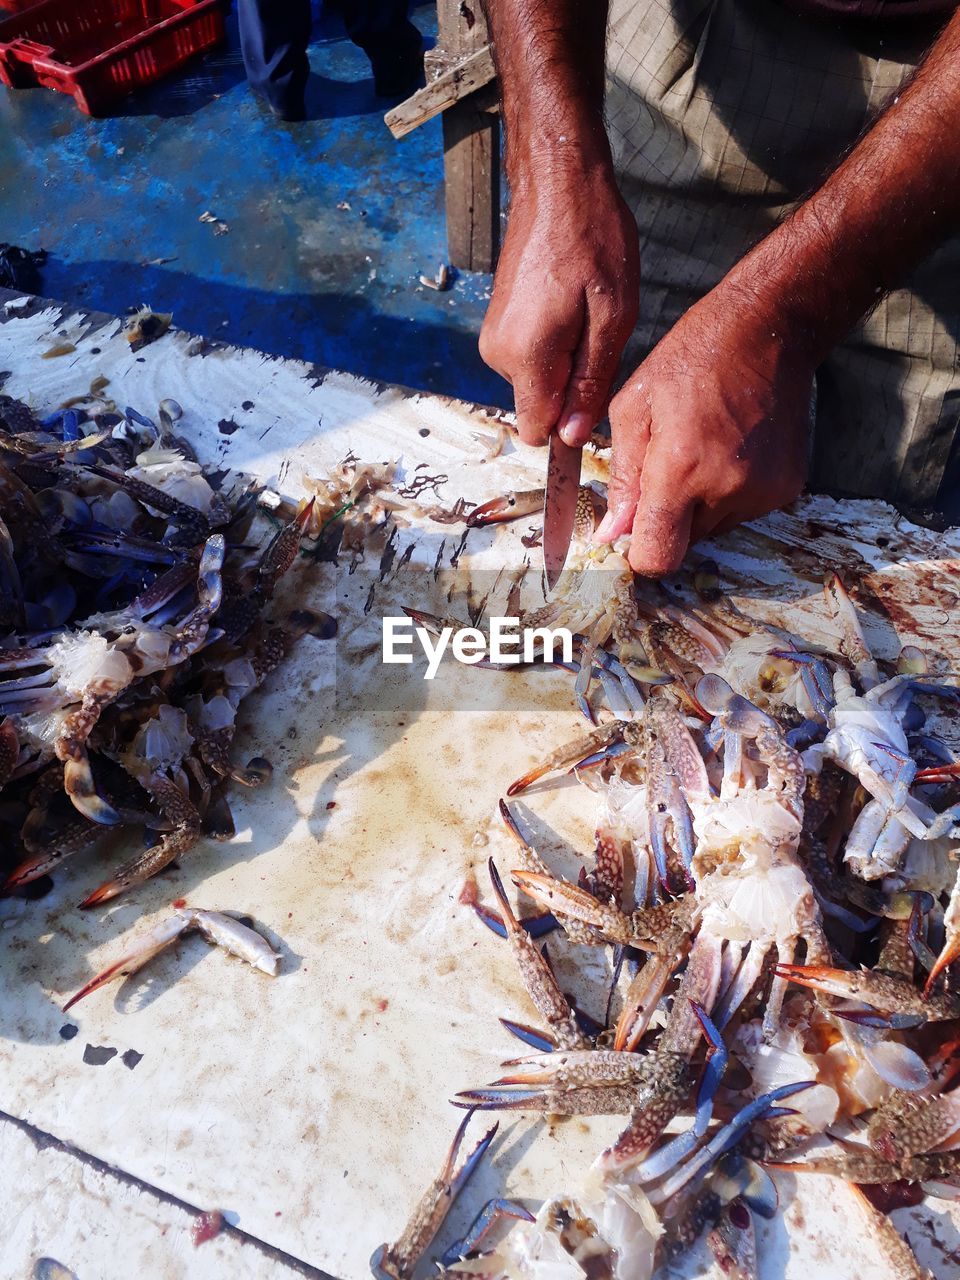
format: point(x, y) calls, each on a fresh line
point(222, 930)
point(597, 637)
point(537, 977)
point(667, 809)
point(744, 980)
point(628, 678)
point(867, 1167)
point(680, 1147)
point(640, 1003)
point(176, 805)
point(659, 1101)
point(399, 1260)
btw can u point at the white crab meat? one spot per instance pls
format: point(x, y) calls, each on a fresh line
point(163, 741)
point(86, 662)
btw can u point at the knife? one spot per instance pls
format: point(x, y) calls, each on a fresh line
point(560, 506)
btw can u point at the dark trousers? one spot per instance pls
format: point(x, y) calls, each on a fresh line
point(274, 35)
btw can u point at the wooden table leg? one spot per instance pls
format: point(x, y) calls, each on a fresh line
point(471, 148)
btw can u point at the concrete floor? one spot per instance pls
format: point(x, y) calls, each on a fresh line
point(330, 222)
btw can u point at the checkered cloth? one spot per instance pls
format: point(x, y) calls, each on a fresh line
point(724, 113)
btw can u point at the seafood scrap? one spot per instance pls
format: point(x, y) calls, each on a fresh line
point(138, 610)
point(775, 882)
point(219, 929)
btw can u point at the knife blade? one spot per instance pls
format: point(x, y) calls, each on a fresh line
point(560, 506)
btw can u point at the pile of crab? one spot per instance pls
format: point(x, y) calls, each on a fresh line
point(134, 603)
point(775, 884)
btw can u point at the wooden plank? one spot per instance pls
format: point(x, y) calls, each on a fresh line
point(471, 148)
point(450, 86)
point(471, 162)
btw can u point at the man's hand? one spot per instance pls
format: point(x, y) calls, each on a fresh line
point(564, 303)
point(566, 294)
point(711, 430)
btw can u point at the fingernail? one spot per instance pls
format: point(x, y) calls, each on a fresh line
point(577, 429)
point(604, 528)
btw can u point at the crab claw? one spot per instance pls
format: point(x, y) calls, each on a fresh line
point(880, 990)
point(108, 890)
point(565, 757)
point(691, 1174)
point(938, 773)
point(735, 712)
point(493, 1211)
point(663, 929)
point(142, 951)
point(529, 1035)
point(563, 898)
point(398, 1261)
point(217, 927)
point(536, 926)
point(282, 549)
point(537, 975)
point(504, 1098)
point(853, 645)
point(79, 785)
point(950, 953)
point(509, 506)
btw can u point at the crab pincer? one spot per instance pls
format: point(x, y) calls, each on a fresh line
point(222, 930)
point(951, 947)
point(892, 996)
point(664, 929)
point(590, 1082)
point(398, 1261)
point(507, 507)
point(581, 749)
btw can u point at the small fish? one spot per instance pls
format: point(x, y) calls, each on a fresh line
point(61, 349)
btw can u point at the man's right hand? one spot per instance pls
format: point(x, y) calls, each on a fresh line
point(564, 303)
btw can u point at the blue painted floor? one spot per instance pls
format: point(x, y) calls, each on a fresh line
point(330, 222)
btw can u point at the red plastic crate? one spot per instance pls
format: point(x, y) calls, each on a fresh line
point(101, 50)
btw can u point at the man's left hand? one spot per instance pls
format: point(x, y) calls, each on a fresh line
point(710, 430)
